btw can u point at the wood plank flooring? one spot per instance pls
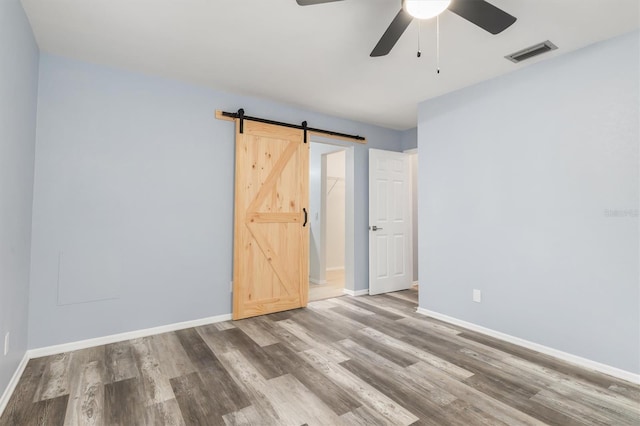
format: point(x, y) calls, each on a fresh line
point(334, 287)
point(369, 360)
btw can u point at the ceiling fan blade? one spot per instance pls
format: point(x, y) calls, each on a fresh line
point(392, 34)
point(483, 14)
point(310, 2)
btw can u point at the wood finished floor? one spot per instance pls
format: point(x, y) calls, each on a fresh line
point(369, 360)
point(334, 286)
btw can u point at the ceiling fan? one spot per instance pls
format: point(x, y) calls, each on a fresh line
point(479, 12)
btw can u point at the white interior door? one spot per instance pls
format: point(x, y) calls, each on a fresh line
point(390, 262)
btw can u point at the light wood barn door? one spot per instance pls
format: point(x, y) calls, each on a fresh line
point(271, 239)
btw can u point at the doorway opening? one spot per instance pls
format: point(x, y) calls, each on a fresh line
point(331, 239)
point(413, 156)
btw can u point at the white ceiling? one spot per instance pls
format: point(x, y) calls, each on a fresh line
point(315, 57)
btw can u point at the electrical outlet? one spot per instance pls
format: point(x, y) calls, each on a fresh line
point(477, 295)
point(6, 343)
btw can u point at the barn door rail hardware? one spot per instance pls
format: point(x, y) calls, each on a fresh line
point(240, 115)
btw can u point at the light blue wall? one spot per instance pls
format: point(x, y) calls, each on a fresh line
point(528, 191)
point(18, 92)
point(133, 204)
point(409, 139)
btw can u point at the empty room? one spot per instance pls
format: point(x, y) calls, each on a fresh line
point(319, 212)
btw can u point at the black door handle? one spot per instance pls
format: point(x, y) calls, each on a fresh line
point(305, 216)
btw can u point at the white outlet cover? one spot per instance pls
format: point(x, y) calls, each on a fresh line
point(477, 295)
point(6, 343)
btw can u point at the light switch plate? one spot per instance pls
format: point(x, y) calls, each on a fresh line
point(6, 343)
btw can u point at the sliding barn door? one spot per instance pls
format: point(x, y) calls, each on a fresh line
point(271, 235)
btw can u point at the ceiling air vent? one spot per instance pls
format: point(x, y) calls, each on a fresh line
point(532, 51)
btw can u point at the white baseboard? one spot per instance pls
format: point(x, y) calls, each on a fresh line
point(83, 344)
point(564, 356)
point(317, 282)
point(356, 293)
point(11, 386)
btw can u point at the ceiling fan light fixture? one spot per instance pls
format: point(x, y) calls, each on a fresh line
point(425, 9)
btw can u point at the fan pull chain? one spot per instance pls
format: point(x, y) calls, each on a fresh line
point(419, 31)
point(437, 44)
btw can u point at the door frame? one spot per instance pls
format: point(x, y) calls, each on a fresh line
point(349, 220)
point(413, 154)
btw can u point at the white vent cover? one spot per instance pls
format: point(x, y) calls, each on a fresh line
point(530, 52)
